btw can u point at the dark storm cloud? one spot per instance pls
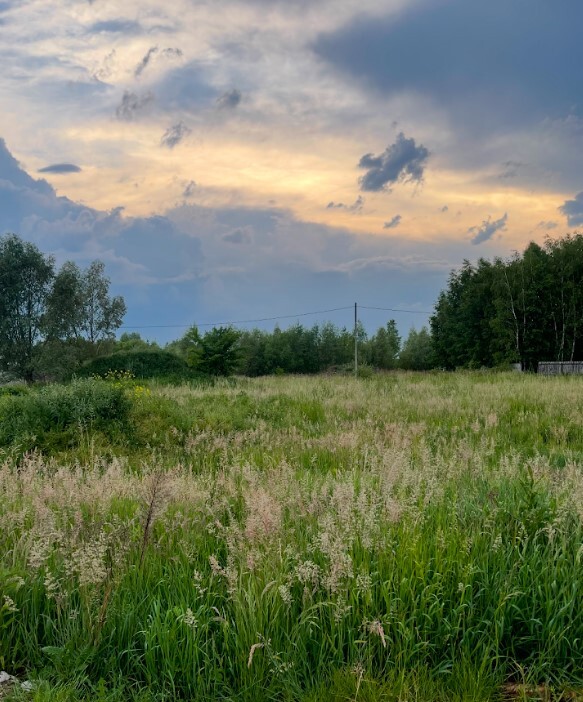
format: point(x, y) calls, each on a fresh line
point(500, 62)
point(174, 135)
point(393, 222)
point(60, 168)
point(356, 206)
point(131, 104)
point(229, 100)
point(402, 161)
point(487, 229)
point(573, 210)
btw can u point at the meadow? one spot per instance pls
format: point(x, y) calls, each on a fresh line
point(320, 539)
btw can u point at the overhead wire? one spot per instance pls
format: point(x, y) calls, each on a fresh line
point(235, 322)
point(393, 309)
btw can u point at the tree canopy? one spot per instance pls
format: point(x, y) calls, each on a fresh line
point(47, 317)
point(526, 309)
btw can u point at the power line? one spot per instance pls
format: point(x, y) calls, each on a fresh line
point(238, 321)
point(394, 309)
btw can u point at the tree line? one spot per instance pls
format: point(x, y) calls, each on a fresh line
point(525, 309)
point(297, 349)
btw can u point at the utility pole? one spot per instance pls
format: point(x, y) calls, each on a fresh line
point(356, 340)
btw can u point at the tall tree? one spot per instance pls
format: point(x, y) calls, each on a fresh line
point(102, 314)
point(417, 351)
point(219, 351)
point(79, 305)
point(26, 276)
point(384, 346)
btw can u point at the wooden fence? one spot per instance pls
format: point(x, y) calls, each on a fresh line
point(560, 368)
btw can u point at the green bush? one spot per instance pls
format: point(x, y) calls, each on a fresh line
point(13, 390)
point(57, 416)
point(142, 364)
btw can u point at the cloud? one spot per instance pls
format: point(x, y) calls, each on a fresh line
point(174, 135)
point(60, 168)
point(116, 26)
point(13, 174)
point(151, 53)
point(547, 225)
point(459, 54)
point(356, 206)
point(487, 229)
point(184, 88)
point(171, 51)
point(189, 187)
point(393, 223)
point(131, 104)
point(229, 100)
point(238, 236)
point(197, 263)
point(573, 210)
point(139, 250)
point(141, 67)
point(402, 162)
point(511, 169)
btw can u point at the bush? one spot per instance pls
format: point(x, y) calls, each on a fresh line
point(13, 390)
point(57, 416)
point(142, 364)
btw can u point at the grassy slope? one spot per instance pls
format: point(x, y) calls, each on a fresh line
point(407, 535)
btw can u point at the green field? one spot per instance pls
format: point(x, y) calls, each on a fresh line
point(400, 537)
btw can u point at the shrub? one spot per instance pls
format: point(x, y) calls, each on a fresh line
point(57, 416)
point(142, 364)
point(13, 390)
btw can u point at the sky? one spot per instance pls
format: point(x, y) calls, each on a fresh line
point(247, 159)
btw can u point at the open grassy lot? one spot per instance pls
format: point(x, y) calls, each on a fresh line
point(406, 536)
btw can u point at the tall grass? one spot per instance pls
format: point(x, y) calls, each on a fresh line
point(403, 537)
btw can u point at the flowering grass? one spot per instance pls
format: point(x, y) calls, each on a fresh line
point(406, 536)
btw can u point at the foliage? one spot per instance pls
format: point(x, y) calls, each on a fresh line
point(55, 417)
point(219, 352)
point(25, 279)
point(320, 348)
point(133, 342)
point(51, 321)
point(417, 351)
point(216, 353)
point(79, 305)
point(142, 364)
point(526, 309)
point(384, 347)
